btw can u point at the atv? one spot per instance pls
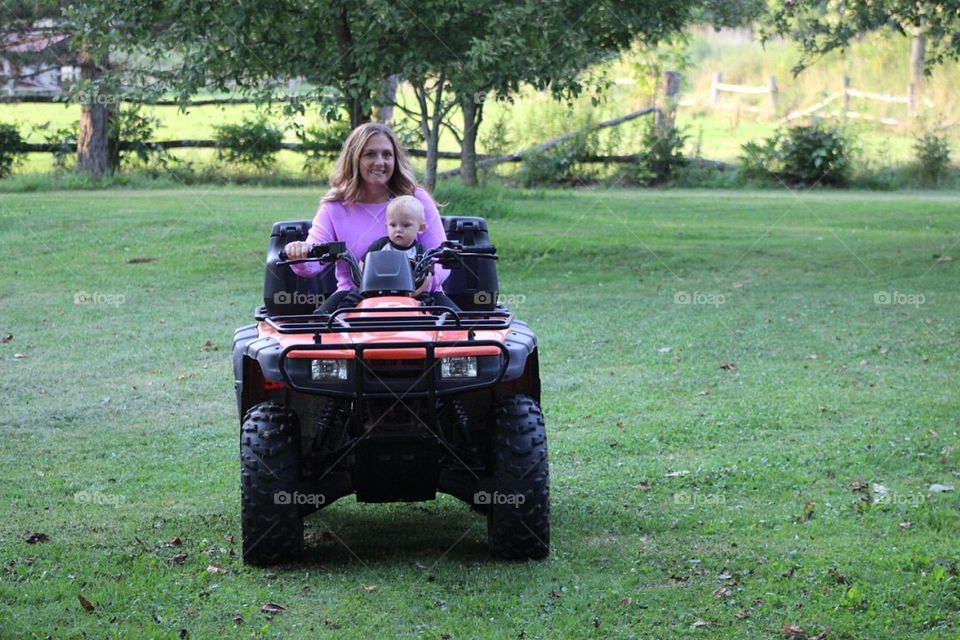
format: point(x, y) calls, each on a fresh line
point(390, 400)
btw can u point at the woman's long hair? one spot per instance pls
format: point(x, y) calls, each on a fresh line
point(345, 182)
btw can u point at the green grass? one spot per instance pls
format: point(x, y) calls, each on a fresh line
point(120, 429)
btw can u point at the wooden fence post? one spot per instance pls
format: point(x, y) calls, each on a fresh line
point(774, 95)
point(670, 88)
point(715, 89)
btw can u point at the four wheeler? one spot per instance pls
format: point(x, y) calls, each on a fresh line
point(389, 400)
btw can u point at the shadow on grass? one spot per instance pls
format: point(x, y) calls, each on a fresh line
point(422, 533)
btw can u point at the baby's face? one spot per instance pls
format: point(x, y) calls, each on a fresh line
point(403, 227)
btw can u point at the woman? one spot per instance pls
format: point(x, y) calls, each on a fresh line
point(372, 169)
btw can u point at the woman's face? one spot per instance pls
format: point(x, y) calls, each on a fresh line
point(377, 162)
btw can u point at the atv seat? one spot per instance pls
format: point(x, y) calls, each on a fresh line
point(284, 292)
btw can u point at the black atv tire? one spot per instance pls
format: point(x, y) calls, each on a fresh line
point(519, 529)
point(270, 468)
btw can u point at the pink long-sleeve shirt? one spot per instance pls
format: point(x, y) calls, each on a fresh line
point(358, 225)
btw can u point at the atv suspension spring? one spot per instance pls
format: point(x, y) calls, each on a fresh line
point(328, 419)
point(461, 421)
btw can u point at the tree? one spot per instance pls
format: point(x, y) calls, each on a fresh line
point(483, 47)
point(821, 26)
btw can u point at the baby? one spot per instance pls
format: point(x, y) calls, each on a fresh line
point(405, 219)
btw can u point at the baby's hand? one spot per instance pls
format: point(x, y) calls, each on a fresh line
point(423, 285)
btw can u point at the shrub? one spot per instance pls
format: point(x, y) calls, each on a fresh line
point(563, 163)
point(662, 154)
point(135, 130)
point(815, 154)
point(10, 153)
point(254, 142)
point(933, 157)
point(63, 140)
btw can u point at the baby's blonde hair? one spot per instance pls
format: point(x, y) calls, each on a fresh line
point(407, 204)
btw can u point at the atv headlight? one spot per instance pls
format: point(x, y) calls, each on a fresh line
point(460, 367)
point(328, 369)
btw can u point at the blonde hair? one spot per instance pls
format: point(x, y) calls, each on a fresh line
point(407, 204)
point(345, 182)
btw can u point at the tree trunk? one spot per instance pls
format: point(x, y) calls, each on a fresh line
point(93, 147)
point(384, 113)
point(918, 49)
point(472, 117)
point(357, 97)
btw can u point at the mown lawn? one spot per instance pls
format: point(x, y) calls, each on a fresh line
point(748, 397)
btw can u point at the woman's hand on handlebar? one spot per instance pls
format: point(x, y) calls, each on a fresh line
point(297, 250)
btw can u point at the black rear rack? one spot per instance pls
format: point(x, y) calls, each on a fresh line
point(440, 319)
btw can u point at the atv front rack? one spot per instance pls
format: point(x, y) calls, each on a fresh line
point(416, 378)
point(439, 319)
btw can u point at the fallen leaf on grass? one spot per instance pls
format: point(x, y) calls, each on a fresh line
point(370, 587)
point(705, 392)
point(86, 604)
point(173, 542)
point(743, 614)
point(642, 486)
point(729, 366)
point(939, 258)
point(272, 608)
point(626, 601)
point(823, 408)
point(33, 538)
point(884, 350)
point(19, 356)
point(864, 362)
point(723, 592)
point(940, 488)
point(836, 575)
point(793, 631)
point(140, 260)
point(857, 486)
point(238, 619)
point(699, 623)
point(555, 594)
point(808, 510)
point(208, 346)
point(812, 356)
point(905, 524)
point(7, 338)
point(214, 568)
point(178, 559)
point(676, 474)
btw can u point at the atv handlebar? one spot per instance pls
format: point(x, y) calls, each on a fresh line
point(448, 254)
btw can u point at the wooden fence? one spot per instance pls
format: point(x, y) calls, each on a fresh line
point(910, 100)
point(717, 86)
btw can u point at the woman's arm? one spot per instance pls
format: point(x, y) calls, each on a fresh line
point(433, 235)
point(321, 231)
